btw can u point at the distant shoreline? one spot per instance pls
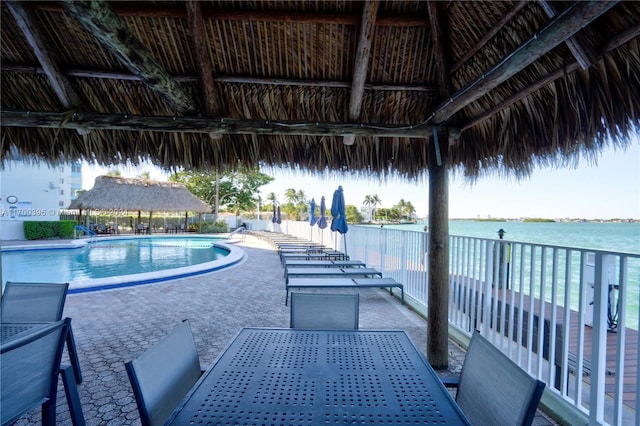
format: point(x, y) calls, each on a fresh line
point(546, 220)
point(524, 220)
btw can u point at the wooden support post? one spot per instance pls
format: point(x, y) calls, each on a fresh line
point(437, 315)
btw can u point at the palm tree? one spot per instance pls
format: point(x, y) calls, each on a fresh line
point(290, 195)
point(371, 201)
point(409, 210)
point(405, 208)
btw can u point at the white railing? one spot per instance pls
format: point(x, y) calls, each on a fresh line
point(586, 301)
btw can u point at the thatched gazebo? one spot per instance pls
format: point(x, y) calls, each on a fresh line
point(376, 88)
point(115, 193)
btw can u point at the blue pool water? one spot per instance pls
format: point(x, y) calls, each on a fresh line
point(117, 262)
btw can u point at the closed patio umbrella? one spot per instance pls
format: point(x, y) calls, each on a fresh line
point(279, 218)
point(274, 218)
point(339, 222)
point(312, 215)
point(322, 221)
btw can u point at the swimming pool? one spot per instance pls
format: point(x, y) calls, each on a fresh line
point(105, 263)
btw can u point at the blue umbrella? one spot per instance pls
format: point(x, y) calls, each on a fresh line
point(339, 222)
point(322, 222)
point(279, 219)
point(274, 218)
point(312, 214)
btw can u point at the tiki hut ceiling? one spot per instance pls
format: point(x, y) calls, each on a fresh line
point(369, 88)
point(111, 193)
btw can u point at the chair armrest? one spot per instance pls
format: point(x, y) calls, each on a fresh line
point(450, 381)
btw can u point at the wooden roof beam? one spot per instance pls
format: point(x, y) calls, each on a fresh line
point(240, 15)
point(94, 121)
point(100, 20)
point(208, 92)
point(578, 52)
point(111, 75)
point(619, 40)
point(67, 96)
point(484, 40)
point(564, 26)
point(361, 66)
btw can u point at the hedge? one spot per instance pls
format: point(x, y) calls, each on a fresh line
point(46, 230)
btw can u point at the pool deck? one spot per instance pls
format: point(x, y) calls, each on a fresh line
point(115, 326)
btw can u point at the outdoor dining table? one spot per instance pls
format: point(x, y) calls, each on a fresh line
point(308, 377)
point(10, 331)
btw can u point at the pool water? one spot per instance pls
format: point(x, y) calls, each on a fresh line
point(117, 261)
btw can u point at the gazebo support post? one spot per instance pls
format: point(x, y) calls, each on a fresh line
point(437, 314)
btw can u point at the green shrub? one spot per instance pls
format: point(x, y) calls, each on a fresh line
point(218, 228)
point(66, 228)
point(36, 230)
point(46, 230)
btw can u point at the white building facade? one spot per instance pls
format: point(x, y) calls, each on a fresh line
point(31, 192)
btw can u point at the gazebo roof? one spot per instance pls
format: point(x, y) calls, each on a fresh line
point(507, 84)
point(117, 193)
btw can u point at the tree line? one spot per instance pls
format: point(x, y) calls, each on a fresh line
point(238, 191)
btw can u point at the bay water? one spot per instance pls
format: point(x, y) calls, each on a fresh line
point(622, 237)
point(609, 236)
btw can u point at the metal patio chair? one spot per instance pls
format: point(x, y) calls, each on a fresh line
point(322, 311)
point(30, 365)
point(494, 390)
point(164, 374)
point(39, 302)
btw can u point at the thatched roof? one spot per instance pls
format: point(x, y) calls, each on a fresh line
point(113, 193)
point(508, 84)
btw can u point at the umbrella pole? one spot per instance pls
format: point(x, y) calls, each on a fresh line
point(344, 237)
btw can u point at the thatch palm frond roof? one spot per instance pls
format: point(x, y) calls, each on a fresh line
point(505, 85)
point(114, 193)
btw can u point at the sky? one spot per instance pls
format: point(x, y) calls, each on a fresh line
point(609, 189)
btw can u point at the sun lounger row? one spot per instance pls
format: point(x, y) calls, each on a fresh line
point(290, 247)
point(308, 265)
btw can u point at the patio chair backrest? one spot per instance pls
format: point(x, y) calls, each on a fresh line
point(494, 390)
point(322, 311)
point(29, 372)
point(33, 302)
point(164, 374)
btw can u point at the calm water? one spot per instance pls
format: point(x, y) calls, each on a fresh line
point(623, 237)
point(104, 259)
point(616, 237)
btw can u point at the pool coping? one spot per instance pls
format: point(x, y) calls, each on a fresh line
point(236, 256)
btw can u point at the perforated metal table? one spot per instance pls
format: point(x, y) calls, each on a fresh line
point(10, 331)
point(308, 377)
